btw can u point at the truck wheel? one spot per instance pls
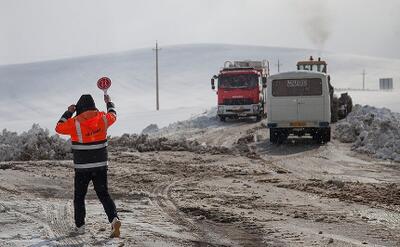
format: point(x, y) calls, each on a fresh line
point(346, 101)
point(334, 109)
point(222, 118)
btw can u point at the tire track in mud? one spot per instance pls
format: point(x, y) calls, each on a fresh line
point(206, 232)
point(31, 217)
point(312, 159)
point(55, 224)
point(161, 200)
point(320, 162)
point(57, 219)
point(284, 154)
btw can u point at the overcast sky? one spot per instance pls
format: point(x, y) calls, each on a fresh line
point(35, 30)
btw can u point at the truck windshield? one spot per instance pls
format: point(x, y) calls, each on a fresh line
point(297, 87)
point(238, 81)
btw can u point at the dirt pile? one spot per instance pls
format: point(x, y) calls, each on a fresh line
point(374, 131)
point(144, 143)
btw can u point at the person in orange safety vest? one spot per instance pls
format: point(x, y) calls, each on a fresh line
point(88, 132)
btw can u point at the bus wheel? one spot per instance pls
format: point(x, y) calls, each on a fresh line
point(277, 136)
point(273, 136)
point(326, 136)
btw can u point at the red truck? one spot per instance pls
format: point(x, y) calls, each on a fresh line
point(241, 89)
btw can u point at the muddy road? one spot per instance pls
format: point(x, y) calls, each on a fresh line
point(295, 194)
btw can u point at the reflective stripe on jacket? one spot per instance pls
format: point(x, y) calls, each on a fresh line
point(88, 132)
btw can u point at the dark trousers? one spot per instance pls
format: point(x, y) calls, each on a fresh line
point(99, 178)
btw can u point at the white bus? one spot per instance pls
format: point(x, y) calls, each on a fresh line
point(298, 103)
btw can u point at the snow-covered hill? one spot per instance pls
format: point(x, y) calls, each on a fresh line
point(40, 92)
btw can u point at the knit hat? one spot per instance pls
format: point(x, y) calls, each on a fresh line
point(85, 103)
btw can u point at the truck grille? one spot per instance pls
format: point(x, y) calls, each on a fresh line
point(238, 101)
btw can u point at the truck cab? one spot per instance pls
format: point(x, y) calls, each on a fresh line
point(240, 88)
point(298, 103)
point(311, 65)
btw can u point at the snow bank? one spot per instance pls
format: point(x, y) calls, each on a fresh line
point(206, 119)
point(374, 131)
point(35, 144)
point(152, 128)
point(201, 121)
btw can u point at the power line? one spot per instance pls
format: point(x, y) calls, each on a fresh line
point(363, 74)
point(279, 66)
point(157, 87)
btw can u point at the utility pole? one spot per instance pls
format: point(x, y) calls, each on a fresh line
point(157, 88)
point(279, 66)
point(363, 74)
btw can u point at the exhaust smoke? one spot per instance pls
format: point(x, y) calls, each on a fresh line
point(316, 21)
point(318, 30)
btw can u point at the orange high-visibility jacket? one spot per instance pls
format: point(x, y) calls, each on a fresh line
point(88, 133)
point(90, 126)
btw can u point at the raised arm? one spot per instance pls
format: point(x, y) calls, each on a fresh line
point(111, 112)
point(65, 125)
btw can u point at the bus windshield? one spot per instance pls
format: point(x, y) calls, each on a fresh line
point(238, 81)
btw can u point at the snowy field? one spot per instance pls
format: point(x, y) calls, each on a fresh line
point(40, 92)
point(386, 99)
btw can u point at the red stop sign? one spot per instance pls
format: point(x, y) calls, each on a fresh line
point(104, 83)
